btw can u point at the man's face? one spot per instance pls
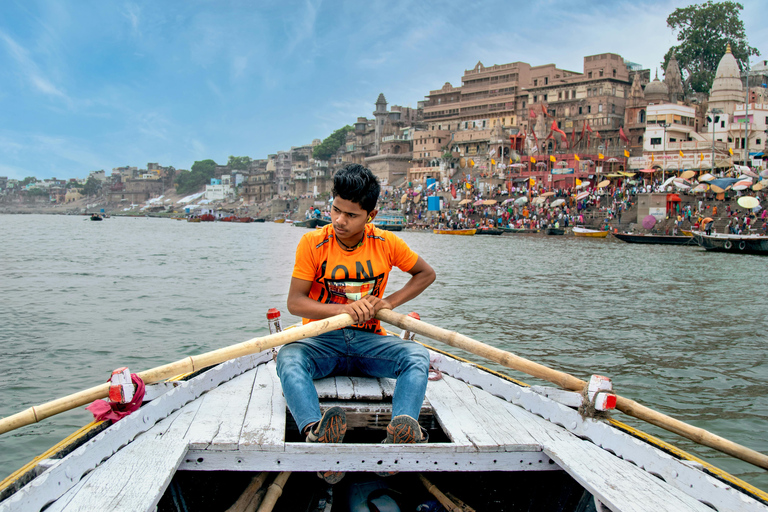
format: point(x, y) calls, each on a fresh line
point(348, 218)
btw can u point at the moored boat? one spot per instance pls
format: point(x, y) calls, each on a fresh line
point(592, 233)
point(462, 232)
point(554, 231)
point(723, 242)
point(638, 238)
point(210, 436)
point(488, 231)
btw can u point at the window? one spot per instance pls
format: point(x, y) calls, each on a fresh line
point(560, 95)
point(523, 103)
point(601, 72)
point(613, 109)
point(600, 107)
point(655, 141)
point(545, 97)
point(465, 125)
point(589, 75)
point(535, 82)
point(579, 110)
point(614, 73)
point(559, 125)
point(546, 80)
point(589, 109)
point(640, 139)
point(722, 124)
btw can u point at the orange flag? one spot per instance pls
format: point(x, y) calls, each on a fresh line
point(600, 156)
point(626, 154)
point(533, 160)
point(551, 158)
point(576, 157)
point(681, 154)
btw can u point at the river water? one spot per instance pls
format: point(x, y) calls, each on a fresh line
point(678, 329)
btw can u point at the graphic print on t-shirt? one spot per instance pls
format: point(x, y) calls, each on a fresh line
point(345, 291)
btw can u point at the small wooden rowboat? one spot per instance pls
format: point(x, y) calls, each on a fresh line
point(206, 441)
point(592, 233)
point(724, 242)
point(463, 232)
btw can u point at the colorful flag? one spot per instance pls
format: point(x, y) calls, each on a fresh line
point(578, 181)
point(493, 162)
point(544, 109)
point(730, 150)
point(701, 156)
point(576, 157)
point(532, 114)
point(453, 190)
point(652, 159)
point(471, 163)
point(552, 158)
point(533, 160)
point(532, 181)
point(681, 154)
point(626, 154)
point(600, 156)
point(622, 135)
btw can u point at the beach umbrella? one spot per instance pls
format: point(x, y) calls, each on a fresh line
point(557, 202)
point(465, 201)
point(758, 186)
point(744, 177)
point(649, 221)
point(582, 195)
point(648, 171)
point(510, 200)
point(681, 185)
point(547, 194)
point(521, 200)
point(717, 189)
point(701, 187)
point(748, 202)
point(479, 202)
point(489, 202)
point(404, 198)
point(541, 164)
point(742, 185)
point(539, 200)
point(603, 183)
point(764, 173)
point(612, 160)
point(686, 175)
point(706, 177)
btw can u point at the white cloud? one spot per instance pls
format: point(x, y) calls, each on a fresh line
point(30, 71)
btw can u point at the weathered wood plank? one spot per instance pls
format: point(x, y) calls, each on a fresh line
point(264, 425)
point(387, 387)
point(220, 418)
point(132, 480)
point(366, 388)
point(445, 405)
point(618, 484)
point(344, 388)
point(326, 388)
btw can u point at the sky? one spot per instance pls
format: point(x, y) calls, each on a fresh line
point(89, 85)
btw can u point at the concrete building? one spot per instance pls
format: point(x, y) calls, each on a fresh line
point(259, 187)
point(219, 189)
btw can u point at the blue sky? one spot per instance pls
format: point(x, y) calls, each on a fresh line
point(88, 85)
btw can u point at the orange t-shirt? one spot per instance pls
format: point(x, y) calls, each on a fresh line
point(342, 277)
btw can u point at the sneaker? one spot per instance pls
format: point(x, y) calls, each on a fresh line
point(403, 430)
point(330, 429)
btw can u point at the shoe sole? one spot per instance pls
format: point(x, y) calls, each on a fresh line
point(402, 430)
point(333, 426)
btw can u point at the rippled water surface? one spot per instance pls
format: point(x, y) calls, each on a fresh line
point(677, 329)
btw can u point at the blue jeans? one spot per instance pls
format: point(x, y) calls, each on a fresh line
point(352, 352)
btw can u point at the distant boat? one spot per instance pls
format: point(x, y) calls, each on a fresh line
point(280, 220)
point(554, 231)
point(722, 242)
point(593, 233)
point(96, 216)
point(489, 231)
point(463, 232)
point(389, 220)
point(655, 239)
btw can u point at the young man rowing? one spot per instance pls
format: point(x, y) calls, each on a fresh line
point(343, 268)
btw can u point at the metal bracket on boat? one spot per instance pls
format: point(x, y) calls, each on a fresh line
point(597, 397)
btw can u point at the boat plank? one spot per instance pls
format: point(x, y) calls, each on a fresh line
point(220, 418)
point(133, 479)
point(345, 390)
point(264, 425)
point(367, 388)
point(469, 416)
point(618, 484)
point(326, 388)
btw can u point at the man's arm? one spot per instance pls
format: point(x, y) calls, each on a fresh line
point(422, 275)
point(300, 304)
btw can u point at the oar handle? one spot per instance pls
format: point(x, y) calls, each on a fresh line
point(567, 381)
point(186, 365)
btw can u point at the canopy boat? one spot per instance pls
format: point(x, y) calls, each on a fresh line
point(464, 232)
point(592, 233)
point(638, 238)
point(723, 242)
point(209, 438)
point(389, 220)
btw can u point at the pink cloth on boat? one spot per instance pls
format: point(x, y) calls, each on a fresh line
point(106, 410)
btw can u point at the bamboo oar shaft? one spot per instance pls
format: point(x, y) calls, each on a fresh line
point(274, 492)
point(438, 494)
point(567, 381)
point(188, 364)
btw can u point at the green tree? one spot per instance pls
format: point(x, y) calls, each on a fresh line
point(26, 181)
point(703, 31)
point(188, 182)
point(91, 187)
point(326, 149)
point(239, 163)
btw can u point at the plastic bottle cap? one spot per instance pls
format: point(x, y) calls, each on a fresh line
point(415, 315)
point(273, 313)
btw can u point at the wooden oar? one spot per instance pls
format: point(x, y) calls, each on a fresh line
point(186, 365)
point(567, 381)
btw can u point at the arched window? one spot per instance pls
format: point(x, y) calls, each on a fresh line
point(640, 139)
point(641, 116)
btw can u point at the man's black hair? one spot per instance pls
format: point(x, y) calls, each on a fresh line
point(357, 184)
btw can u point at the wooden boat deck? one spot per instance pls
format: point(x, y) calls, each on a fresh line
point(240, 423)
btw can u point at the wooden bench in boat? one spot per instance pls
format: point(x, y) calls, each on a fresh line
point(240, 425)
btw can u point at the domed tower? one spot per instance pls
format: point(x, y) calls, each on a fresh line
point(381, 115)
point(656, 92)
point(674, 80)
point(634, 113)
point(726, 90)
